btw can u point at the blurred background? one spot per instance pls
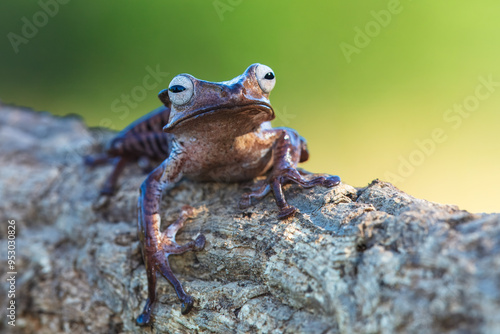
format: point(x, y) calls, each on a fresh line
point(405, 91)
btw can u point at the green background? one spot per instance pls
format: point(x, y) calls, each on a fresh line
point(360, 117)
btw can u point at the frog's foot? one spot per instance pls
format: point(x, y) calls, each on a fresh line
point(145, 316)
point(292, 175)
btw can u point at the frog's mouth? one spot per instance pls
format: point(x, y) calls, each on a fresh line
point(259, 112)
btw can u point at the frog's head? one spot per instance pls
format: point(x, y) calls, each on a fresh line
point(241, 103)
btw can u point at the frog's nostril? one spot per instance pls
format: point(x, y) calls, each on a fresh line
point(223, 93)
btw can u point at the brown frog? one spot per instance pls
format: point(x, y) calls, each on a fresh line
point(214, 131)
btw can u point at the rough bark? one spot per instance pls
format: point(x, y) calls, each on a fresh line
point(370, 260)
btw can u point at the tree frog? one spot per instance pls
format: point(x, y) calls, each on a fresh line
point(207, 131)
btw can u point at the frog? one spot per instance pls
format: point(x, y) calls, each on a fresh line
point(207, 131)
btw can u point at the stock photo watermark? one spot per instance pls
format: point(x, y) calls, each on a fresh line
point(137, 94)
point(453, 117)
point(11, 273)
point(364, 36)
point(121, 106)
point(284, 116)
point(32, 25)
point(223, 6)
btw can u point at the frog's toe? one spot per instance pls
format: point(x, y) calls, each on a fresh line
point(187, 211)
point(199, 243)
point(245, 201)
point(187, 305)
point(331, 181)
point(143, 319)
point(287, 211)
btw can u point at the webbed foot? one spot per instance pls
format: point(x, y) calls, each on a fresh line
point(187, 305)
point(287, 211)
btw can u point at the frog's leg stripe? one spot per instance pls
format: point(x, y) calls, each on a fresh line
point(164, 143)
point(152, 122)
point(154, 145)
point(152, 142)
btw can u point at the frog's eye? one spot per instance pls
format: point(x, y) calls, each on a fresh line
point(180, 90)
point(177, 88)
point(265, 78)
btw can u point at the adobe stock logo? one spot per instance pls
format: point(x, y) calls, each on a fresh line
point(453, 118)
point(222, 7)
point(30, 28)
point(137, 94)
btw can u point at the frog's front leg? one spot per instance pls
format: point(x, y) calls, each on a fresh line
point(288, 150)
point(157, 246)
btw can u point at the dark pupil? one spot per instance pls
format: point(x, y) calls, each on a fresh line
point(177, 88)
point(269, 76)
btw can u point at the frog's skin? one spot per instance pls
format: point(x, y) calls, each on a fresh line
point(216, 131)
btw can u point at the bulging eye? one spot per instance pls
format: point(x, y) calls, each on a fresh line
point(180, 90)
point(265, 78)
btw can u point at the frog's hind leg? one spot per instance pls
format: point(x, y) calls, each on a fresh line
point(109, 186)
point(120, 162)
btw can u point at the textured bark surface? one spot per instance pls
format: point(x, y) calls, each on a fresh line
point(370, 260)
